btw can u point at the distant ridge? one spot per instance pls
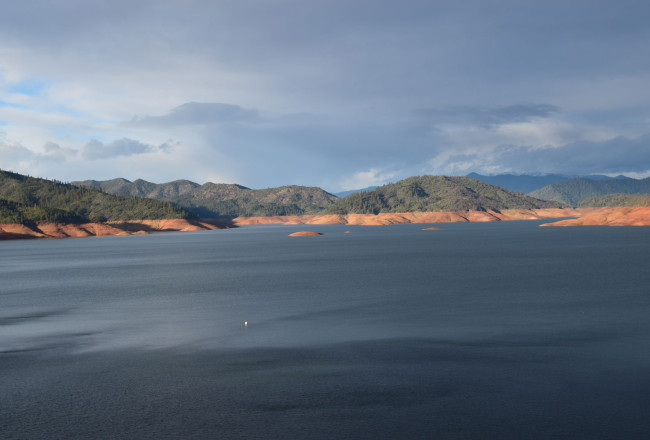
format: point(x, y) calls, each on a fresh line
point(352, 191)
point(526, 183)
point(574, 191)
point(523, 183)
point(222, 199)
point(437, 193)
point(140, 188)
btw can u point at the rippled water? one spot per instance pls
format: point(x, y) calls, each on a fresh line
point(499, 330)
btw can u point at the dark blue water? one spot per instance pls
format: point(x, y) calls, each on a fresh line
point(499, 330)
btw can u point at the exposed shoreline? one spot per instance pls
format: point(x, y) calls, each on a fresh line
point(131, 227)
point(610, 216)
point(409, 217)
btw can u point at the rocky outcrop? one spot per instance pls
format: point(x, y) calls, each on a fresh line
point(305, 234)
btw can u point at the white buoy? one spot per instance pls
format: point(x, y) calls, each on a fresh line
point(245, 323)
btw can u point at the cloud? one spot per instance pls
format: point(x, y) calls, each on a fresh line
point(197, 113)
point(55, 152)
point(12, 153)
point(95, 150)
point(616, 155)
point(364, 179)
point(488, 116)
point(485, 77)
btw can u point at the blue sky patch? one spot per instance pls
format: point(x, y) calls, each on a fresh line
point(29, 87)
point(11, 104)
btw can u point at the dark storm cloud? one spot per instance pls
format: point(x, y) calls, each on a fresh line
point(197, 113)
point(488, 116)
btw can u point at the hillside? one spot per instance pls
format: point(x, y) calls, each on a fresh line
point(12, 212)
point(33, 199)
point(610, 200)
point(573, 191)
point(223, 200)
point(437, 193)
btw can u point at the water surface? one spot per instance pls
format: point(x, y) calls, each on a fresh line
point(497, 330)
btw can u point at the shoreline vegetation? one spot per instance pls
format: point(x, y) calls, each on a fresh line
point(606, 216)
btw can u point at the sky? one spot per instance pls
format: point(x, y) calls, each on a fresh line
point(341, 94)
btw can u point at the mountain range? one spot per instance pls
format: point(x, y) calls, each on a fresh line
point(424, 193)
point(29, 199)
point(221, 199)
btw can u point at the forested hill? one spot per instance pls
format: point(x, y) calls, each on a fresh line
point(574, 191)
point(437, 193)
point(34, 199)
point(12, 212)
point(224, 200)
point(616, 200)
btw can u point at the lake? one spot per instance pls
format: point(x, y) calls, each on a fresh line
point(485, 330)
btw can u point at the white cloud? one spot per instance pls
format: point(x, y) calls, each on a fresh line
point(364, 179)
point(612, 156)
